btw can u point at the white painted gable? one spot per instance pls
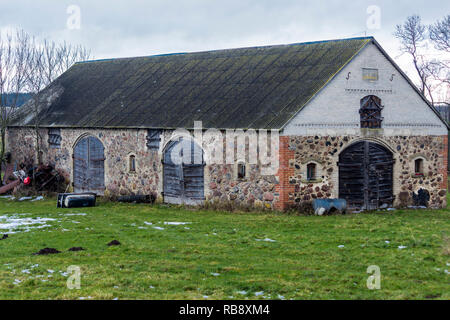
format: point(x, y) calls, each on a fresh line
point(335, 109)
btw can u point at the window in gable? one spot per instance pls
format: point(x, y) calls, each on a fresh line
point(370, 74)
point(54, 138)
point(370, 112)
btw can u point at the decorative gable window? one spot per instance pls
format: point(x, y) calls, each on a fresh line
point(153, 139)
point(370, 74)
point(54, 138)
point(370, 112)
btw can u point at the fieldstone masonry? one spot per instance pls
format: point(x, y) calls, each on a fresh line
point(287, 188)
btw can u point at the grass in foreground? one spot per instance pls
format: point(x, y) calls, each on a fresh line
point(218, 256)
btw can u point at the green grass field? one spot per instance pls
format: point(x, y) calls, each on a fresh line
point(218, 255)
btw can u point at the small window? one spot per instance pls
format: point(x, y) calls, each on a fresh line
point(241, 171)
point(311, 171)
point(54, 138)
point(370, 74)
point(418, 167)
point(132, 163)
point(153, 139)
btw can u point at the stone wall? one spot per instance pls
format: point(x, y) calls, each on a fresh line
point(119, 145)
point(221, 180)
point(324, 152)
point(288, 187)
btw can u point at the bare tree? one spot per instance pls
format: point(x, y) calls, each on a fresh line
point(47, 62)
point(13, 61)
point(440, 34)
point(413, 35)
point(416, 40)
point(440, 37)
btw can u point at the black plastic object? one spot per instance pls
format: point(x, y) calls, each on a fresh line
point(76, 200)
point(137, 199)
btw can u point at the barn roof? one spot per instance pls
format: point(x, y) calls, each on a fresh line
point(259, 87)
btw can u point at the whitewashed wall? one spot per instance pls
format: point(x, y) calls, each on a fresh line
point(335, 110)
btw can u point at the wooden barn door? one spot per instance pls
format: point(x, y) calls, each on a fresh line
point(183, 176)
point(366, 176)
point(89, 166)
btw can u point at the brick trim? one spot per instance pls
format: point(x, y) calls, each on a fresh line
point(286, 170)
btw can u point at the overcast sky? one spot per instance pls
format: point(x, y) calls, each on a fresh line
point(124, 28)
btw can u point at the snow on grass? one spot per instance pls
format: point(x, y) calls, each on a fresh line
point(158, 228)
point(176, 223)
point(266, 240)
point(15, 224)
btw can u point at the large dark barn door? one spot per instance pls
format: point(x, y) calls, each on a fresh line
point(183, 173)
point(89, 166)
point(365, 176)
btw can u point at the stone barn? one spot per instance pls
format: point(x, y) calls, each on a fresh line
point(337, 119)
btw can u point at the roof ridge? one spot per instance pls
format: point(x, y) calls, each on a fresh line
point(227, 49)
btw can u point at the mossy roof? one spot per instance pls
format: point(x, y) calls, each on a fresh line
point(259, 87)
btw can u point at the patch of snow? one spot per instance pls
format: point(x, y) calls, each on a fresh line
point(341, 246)
point(281, 297)
point(176, 223)
point(266, 240)
point(158, 228)
point(152, 287)
point(15, 224)
point(25, 198)
point(38, 199)
point(242, 292)
point(148, 223)
point(387, 241)
point(75, 214)
point(215, 274)
point(260, 293)
point(402, 247)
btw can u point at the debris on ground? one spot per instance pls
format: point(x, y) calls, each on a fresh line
point(114, 243)
point(74, 249)
point(46, 251)
point(5, 236)
point(138, 199)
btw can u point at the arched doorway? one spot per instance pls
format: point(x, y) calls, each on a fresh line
point(366, 176)
point(183, 172)
point(89, 166)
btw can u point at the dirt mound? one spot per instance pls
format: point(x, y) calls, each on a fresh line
point(77, 249)
point(46, 251)
point(5, 236)
point(114, 243)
